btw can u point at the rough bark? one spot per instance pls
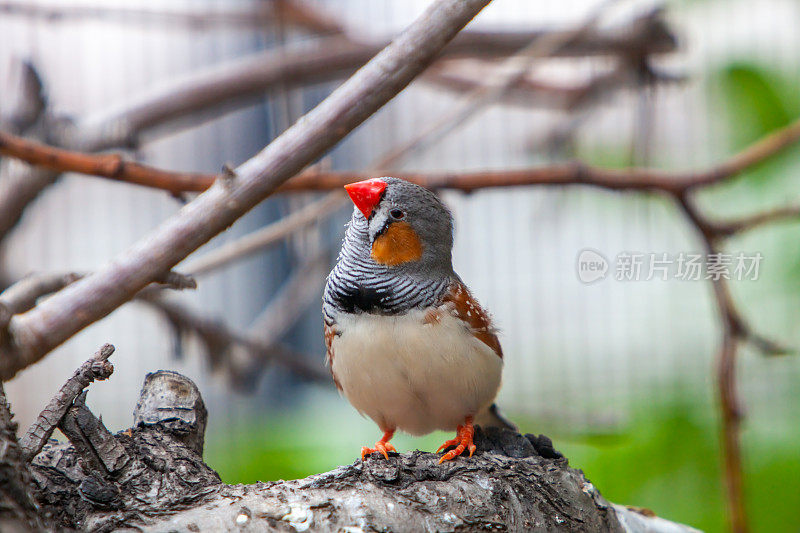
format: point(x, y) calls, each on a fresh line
point(152, 478)
point(18, 511)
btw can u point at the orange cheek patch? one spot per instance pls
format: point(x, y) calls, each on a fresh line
point(399, 244)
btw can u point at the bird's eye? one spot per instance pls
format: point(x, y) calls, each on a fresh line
point(397, 214)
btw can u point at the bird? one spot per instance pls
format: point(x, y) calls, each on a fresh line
point(407, 343)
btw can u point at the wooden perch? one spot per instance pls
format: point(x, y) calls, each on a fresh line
point(152, 478)
point(100, 481)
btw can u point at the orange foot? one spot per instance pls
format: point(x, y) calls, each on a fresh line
point(382, 446)
point(463, 441)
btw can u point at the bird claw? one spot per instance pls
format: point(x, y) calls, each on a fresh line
point(463, 441)
point(451, 442)
point(382, 446)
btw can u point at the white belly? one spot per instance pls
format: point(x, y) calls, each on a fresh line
point(416, 377)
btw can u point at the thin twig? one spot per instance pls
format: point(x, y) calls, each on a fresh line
point(734, 330)
point(749, 222)
point(256, 16)
point(23, 97)
point(219, 339)
point(111, 166)
point(512, 71)
point(534, 92)
point(96, 368)
point(645, 179)
point(240, 83)
point(265, 237)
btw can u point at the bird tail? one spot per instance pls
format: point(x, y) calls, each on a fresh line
point(492, 417)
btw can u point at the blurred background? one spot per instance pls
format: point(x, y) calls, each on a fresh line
point(619, 373)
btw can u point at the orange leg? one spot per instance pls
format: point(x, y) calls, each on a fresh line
point(463, 441)
point(382, 446)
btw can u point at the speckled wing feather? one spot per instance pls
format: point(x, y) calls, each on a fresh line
point(330, 333)
point(465, 307)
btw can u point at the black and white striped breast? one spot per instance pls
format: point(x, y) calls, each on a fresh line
point(357, 284)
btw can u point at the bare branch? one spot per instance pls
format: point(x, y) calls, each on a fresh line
point(752, 155)
point(22, 295)
point(18, 188)
point(283, 311)
point(240, 83)
point(176, 280)
point(261, 345)
point(526, 91)
point(565, 174)
point(312, 18)
point(111, 166)
point(513, 70)
point(756, 220)
point(96, 368)
point(731, 428)
point(734, 330)
point(255, 16)
point(268, 235)
point(97, 447)
point(24, 100)
point(219, 338)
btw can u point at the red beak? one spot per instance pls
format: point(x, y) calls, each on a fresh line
point(366, 194)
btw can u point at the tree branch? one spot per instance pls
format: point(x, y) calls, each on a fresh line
point(240, 83)
point(734, 330)
point(265, 237)
point(258, 16)
point(537, 92)
point(96, 368)
point(111, 166)
point(22, 295)
point(244, 356)
point(24, 99)
point(218, 339)
point(645, 179)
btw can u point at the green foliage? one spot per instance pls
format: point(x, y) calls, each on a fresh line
point(669, 461)
point(758, 101)
point(755, 101)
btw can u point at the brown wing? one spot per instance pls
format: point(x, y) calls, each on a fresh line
point(330, 333)
point(461, 303)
